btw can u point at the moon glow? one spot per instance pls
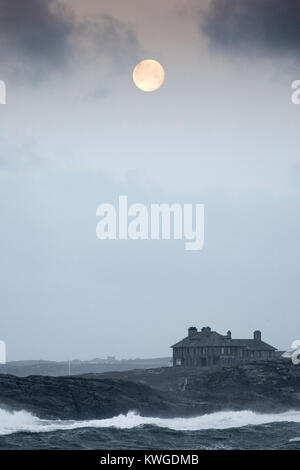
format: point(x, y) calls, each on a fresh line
point(148, 75)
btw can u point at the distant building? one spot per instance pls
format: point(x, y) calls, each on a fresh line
point(209, 348)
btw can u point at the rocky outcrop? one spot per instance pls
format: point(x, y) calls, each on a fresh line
point(80, 398)
point(263, 386)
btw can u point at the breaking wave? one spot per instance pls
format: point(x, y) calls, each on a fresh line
point(22, 421)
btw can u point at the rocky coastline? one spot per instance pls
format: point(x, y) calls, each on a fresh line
point(162, 392)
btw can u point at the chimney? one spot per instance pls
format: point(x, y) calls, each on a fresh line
point(206, 330)
point(257, 335)
point(228, 334)
point(192, 331)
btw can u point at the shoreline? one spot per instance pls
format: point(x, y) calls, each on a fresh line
point(271, 386)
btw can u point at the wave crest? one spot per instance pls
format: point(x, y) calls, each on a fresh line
point(22, 421)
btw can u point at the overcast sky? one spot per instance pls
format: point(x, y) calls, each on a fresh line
point(76, 132)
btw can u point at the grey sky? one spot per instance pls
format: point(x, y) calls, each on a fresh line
point(76, 132)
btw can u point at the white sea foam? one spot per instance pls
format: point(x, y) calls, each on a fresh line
point(19, 421)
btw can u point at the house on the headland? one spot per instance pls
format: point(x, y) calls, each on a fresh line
point(209, 348)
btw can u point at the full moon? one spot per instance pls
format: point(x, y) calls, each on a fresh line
point(148, 75)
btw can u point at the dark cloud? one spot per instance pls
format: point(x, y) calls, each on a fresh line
point(38, 37)
point(268, 26)
point(34, 30)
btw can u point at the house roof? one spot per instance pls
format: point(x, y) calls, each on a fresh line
point(209, 338)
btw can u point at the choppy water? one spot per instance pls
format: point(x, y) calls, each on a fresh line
point(221, 430)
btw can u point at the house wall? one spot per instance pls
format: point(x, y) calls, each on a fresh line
point(209, 356)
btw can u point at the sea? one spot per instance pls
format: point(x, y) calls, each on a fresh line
point(223, 430)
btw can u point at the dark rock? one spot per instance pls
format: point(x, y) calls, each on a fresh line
point(262, 386)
